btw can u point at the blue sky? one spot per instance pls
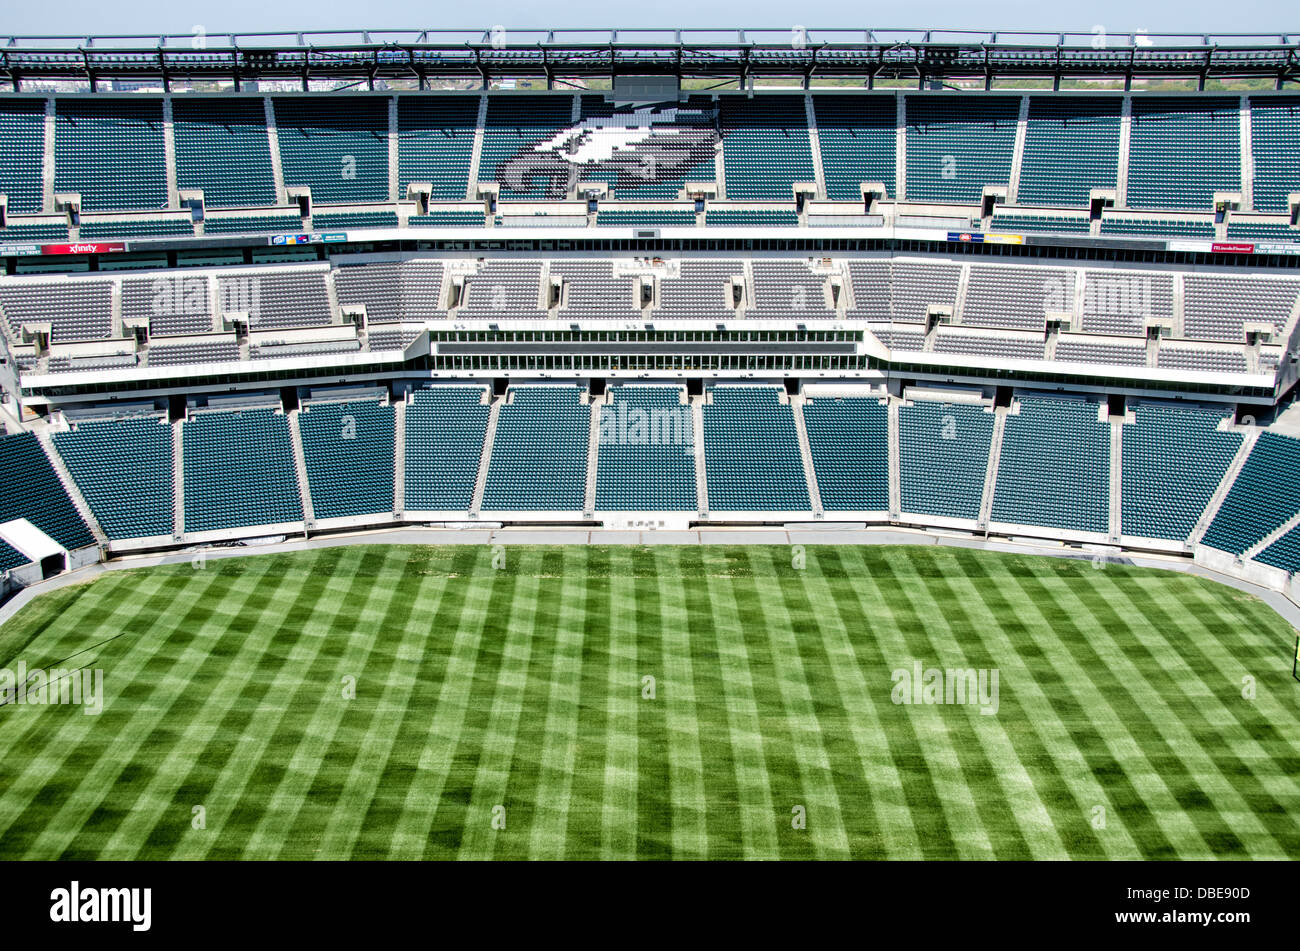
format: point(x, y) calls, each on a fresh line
point(1115, 16)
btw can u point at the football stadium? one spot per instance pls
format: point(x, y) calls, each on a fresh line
point(634, 444)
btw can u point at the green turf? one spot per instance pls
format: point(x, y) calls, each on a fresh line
point(522, 687)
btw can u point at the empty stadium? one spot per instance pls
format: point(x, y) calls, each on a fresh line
point(515, 446)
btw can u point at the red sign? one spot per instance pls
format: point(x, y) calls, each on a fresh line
point(1233, 248)
point(83, 248)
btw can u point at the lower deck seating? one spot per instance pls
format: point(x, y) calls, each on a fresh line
point(943, 458)
point(1055, 466)
point(348, 448)
point(1174, 459)
point(30, 489)
point(239, 470)
point(849, 439)
point(751, 452)
point(445, 428)
point(1264, 495)
point(123, 468)
point(539, 456)
point(646, 457)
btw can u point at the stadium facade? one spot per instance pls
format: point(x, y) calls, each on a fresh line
point(236, 309)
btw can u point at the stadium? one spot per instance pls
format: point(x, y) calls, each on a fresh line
point(630, 444)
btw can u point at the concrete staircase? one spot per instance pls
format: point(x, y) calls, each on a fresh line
point(399, 457)
point(991, 474)
point(1251, 436)
point(701, 476)
point(69, 486)
point(480, 483)
point(805, 453)
point(300, 467)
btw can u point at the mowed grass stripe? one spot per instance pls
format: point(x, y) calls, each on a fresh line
point(388, 671)
point(881, 825)
point(722, 819)
point(618, 817)
point(1133, 698)
point(557, 746)
point(1144, 800)
point(1063, 781)
point(1256, 765)
point(74, 787)
point(1119, 688)
point(757, 812)
point(786, 698)
point(1009, 808)
point(483, 662)
point(949, 823)
point(684, 790)
point(488, 820)
point(408, 778)
point(653, 776)
point(218, 732)
point(178, 692)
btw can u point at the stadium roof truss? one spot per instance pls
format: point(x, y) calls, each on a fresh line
point(738, 55)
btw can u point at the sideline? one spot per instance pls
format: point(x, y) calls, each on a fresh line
point(1288, 610)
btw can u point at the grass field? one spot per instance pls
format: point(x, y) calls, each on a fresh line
point(522, 687)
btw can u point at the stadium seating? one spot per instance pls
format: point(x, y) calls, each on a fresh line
point(857, 136)
point(1174, 459)
point(222, 147)
point(1055, 466)
point(765, 146)
point(76, 310)
point(157, 228)
point(354, 219)
point(435, 136)
point(647, 152)
point(1262, 231)
point(539, 455)
point(1071, 147)
point(943, 457)
point(22, 143)
point(1157, 227)
point(239, 470)
point(646, 456)
point(771, 218)
point(751, 451)
point(348, 448)
point(252, 224)
point(337, 146)
point(1182, 150)
point(445, 428)
point(1264, 495)
point(110, 151)
point(1016, 298)
point(1049, 224)
point(631, 219)
point(515, 124)
point(957, 144)
point(1216, 307)
point(448, 219)
point(123, 468)
point(849, 439)
point(1274, 131)
point(1283, 553)
point(30, 489)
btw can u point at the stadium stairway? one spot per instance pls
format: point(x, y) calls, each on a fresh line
point(991, 475)
point(895, 461)
point(178, 479)
point(1251, 436)
point(399, 455)
point(300, 465)
point(805, 452)
point(1253, 552)
point(593, 453)
point(1116, 477)
point(70, 487)
point(480, 483)
point(701, 474)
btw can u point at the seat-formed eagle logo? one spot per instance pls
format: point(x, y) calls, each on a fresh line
point(636, 145)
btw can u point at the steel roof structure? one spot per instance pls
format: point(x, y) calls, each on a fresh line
point(740, 55)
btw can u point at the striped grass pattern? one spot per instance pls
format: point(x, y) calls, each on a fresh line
point(521, 687)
